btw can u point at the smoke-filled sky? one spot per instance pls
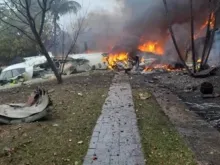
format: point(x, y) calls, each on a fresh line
point(128, 21)
point(98, 4)
point(93, 5)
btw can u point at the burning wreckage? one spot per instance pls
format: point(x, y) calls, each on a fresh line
point(152, 56)
point(148, 58)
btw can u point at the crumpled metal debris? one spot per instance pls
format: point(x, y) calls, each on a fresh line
point(37, 107)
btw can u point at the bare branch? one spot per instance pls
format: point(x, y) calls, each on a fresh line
point(207, 38)
point(210, 42)
point(192, 37)
point(174, 39)
point(19, 29)
point(80, 23)
point(23, 7)
point(15, 14)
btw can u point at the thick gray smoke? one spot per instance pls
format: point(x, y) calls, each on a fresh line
point(103, 30)
point(146, 20)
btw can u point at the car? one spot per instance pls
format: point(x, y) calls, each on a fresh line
point(16, 71)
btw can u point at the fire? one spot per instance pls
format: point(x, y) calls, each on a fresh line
point(199, 60)
point(113, 59)
point(212, 23)
point(166, 67)
point(152, 47)
point(159, 66)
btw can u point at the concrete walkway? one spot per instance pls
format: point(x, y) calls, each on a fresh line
point(116, 140)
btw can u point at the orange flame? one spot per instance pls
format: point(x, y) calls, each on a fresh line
point(152, 47)
point(212, 23)
point(166, 67)
point(112, 59)
point(199, 60)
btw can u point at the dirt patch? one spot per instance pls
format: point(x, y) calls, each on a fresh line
point(64, 137)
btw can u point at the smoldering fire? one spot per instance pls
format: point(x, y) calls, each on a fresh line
point(142, 25)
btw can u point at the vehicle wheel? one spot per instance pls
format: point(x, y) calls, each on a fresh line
point(88, 68)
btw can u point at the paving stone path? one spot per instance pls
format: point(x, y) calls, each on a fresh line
point(116, 140)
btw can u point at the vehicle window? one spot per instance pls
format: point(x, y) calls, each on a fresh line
point(8, 75)
point(2, 75)
point(21, 70)
point(15, 72)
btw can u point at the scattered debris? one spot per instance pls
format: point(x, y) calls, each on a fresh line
point(206, 88)
point(190, 88)
point(36, 108)
point(207, 96)
point(55, 125)
point(8, 151)
point(156, 78)
point(80, 142)
point(80, 94)
point(150, 81)
point(144, 96)
point(51, 90)
point(203, 106)
point(205, 73)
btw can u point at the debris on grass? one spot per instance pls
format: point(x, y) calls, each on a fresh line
point(144, 96)
point(80, 94)
point(51, 91)
point(55, 125)
point(80, 142)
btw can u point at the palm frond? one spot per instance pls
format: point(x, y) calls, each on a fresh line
point(62, 7)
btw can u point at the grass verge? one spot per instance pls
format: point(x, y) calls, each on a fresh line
point(161, 143)
point(64, 138)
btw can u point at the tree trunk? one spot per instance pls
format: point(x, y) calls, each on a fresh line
point(55, 35)
point(51, 63)
point(45, 53)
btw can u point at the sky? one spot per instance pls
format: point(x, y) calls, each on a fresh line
point(98, 4)
point(92, 5)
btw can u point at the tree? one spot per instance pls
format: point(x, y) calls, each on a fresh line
point(77, 28)
point(28, 17)
point(60, 8)
point(14, 44)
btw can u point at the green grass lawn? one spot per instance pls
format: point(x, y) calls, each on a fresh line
point(160, 141)
point(64, 138)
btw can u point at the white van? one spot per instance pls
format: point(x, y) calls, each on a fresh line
point(14, 71)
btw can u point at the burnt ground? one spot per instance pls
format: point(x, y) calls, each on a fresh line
point(179, 105)
point(180, 83)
